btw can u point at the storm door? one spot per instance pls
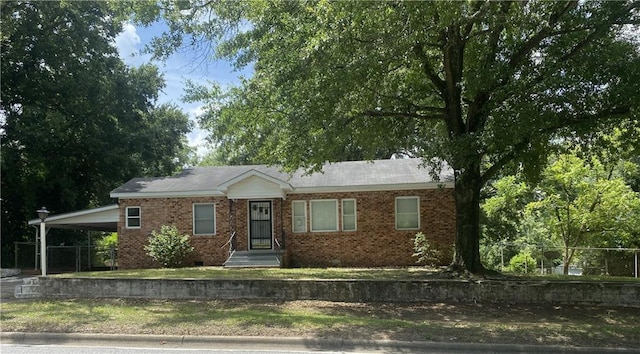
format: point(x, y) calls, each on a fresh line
point(260, 227)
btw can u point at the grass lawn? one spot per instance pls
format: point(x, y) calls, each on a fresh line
point(481, 323)
point(401, 273)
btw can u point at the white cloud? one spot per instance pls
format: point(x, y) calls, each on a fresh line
point(128, 42)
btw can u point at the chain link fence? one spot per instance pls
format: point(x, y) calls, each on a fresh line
point(66, 258)
point(527, 258)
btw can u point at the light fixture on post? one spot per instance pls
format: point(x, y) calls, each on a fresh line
point(42, 214)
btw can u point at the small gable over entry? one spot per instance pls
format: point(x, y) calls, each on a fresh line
point(255, 184)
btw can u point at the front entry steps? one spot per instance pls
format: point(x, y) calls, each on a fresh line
point(253, 259)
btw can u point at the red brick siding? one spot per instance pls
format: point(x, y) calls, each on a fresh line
point(178, 212)
point(376, 242)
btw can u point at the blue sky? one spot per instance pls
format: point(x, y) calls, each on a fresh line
point(176, 70)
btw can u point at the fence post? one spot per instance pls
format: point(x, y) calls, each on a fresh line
point(112, 254)
point(636, 269)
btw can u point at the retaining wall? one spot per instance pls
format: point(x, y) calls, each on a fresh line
point(447, 291)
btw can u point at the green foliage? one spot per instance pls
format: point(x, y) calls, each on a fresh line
point(75, 122)
point(104, 248)
point(168, 247)
point(425, 252)
point(522, 262)
point(482, 85)
point(585, 203)
point(108, 241)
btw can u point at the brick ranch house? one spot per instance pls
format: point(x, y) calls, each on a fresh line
point(360, 214)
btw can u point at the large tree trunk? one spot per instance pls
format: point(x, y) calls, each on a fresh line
point(467, 197)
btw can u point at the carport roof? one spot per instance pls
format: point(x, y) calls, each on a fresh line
point(99, 219)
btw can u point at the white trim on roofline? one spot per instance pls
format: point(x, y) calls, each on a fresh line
point(173, 194)
point(373, 188)
point(75, 214)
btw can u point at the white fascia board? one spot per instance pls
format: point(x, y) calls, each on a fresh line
point(169, 194)
point(102, 213)
point(373, 188)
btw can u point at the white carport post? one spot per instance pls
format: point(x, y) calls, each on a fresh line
point(42, 214)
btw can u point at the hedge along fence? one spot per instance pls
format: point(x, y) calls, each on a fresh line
point(446, 291)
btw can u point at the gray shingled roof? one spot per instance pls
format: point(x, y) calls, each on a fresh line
point(342, 175)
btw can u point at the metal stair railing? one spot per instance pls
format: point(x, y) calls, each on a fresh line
point(232, 245)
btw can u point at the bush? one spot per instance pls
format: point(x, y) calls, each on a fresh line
point(522, 262)
point(168, 247)
point(426, 253)
point(104, 246)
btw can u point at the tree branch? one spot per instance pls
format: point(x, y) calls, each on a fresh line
point(534, 41)
point(434, 116)
point(439, 83)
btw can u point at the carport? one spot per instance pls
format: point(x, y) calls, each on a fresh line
point(98, 219)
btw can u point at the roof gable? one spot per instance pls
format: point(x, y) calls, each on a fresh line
point(255, 184)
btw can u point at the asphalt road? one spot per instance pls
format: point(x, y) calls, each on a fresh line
point(49, 349)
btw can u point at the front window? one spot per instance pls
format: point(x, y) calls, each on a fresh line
point(299, 215)
point(324, 215)
point(133, 218)
point(407, 213)
point(349, 215)
point(204, 219)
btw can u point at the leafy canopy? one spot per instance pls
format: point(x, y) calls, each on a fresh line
point(482, 85)
point(75, 122)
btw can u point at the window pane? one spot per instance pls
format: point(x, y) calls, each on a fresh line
point(407, 205)
point(298, 208)
point(406, 221)
point(324, 215)
point(204, 219)
point(349, 223)
point(348, 215)
point(348, 207)
point(203, 211)
point(299, 224)
point(204, 227)
point(407, 213)
point(299, 216)
point(133, 217)
point(133, 222)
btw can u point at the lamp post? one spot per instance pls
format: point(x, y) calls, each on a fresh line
point(42, 214)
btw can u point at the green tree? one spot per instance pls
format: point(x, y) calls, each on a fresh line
point(482, 85)
point(583, 203)
point(74, 120)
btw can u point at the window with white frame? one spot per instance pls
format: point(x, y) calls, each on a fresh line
point(133, 219)
point(349, 222)
point(324, 215)
point(299, 214)
point(407, 213)
point(204, 219)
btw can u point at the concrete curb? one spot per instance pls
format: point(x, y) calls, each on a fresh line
point(285, 343)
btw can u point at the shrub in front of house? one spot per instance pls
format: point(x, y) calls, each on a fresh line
point(424, 251)
point(168, 247)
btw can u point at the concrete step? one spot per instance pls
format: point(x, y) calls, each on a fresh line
point(29, 289)
point(253, 259)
